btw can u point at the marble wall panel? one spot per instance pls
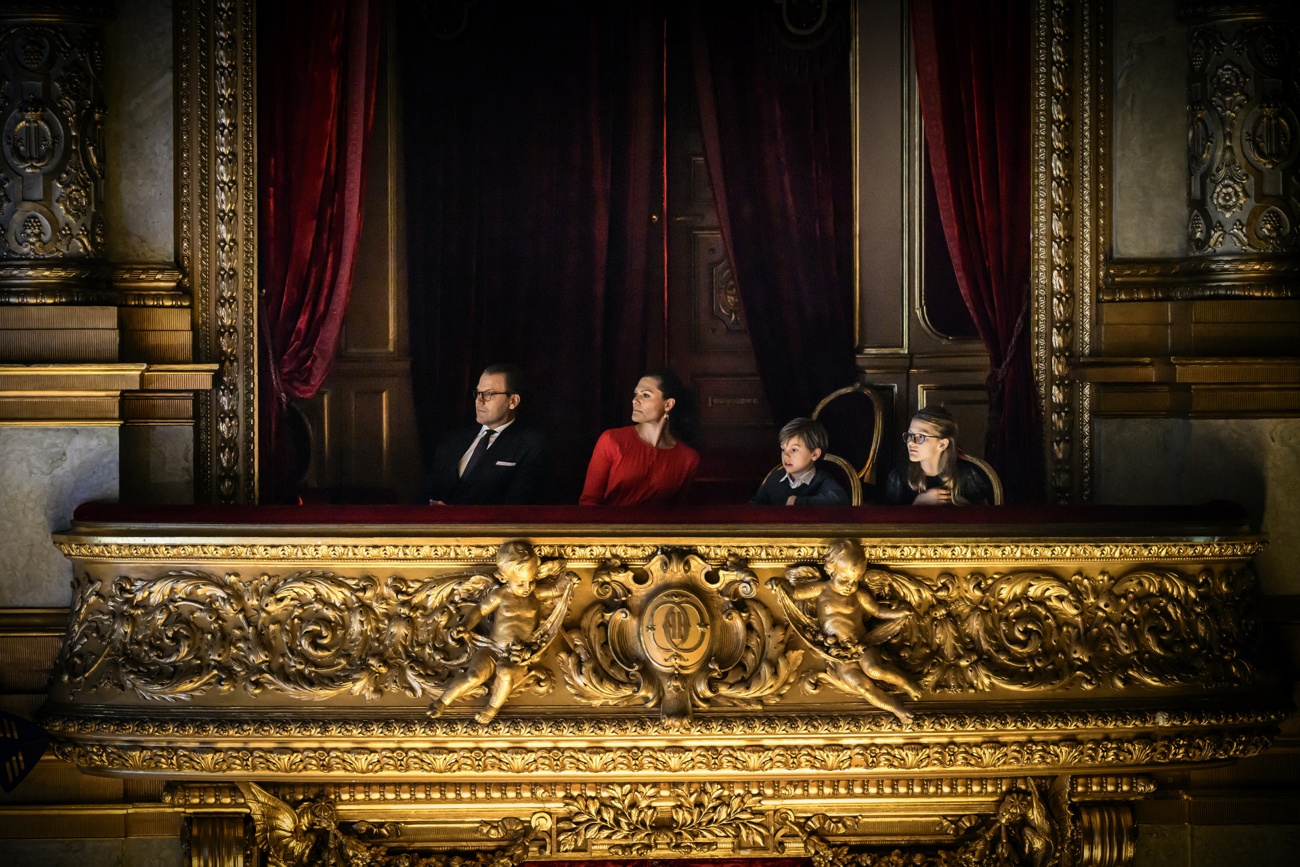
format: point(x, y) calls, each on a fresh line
point(1255, 462)
point(139, 205)
point(46, 473)
point(1150, 130)
point(132, 852)
point(157, 464)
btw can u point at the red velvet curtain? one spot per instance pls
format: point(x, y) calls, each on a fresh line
point(532, 165)
point(973, 68)
point(776, 116)
point(316, 86)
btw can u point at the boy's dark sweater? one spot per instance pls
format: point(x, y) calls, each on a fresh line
point(823, 490)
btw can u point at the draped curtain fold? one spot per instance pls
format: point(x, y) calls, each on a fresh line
point(316, 97)
point(776, 118)
point(973, 68)
point(532, 155)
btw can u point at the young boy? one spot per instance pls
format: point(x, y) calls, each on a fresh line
point(803, 441)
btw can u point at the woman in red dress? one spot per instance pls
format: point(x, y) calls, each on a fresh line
point(646, 463)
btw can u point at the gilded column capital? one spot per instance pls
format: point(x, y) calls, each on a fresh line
point(52, 148)
point(1243, 129)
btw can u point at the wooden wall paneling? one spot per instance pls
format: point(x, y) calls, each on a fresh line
point(899, 352)
point(365, 444)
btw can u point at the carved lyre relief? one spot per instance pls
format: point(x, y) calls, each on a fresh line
point(679, 635)
point(834, 614)
point(492, 627)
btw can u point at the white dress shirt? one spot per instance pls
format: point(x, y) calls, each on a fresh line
point(464, 459)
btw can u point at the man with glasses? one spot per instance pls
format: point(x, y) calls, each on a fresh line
point(497, 461)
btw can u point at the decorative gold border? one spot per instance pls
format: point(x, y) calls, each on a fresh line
point(217, 195)
point(191, 795)
point(178, 724)
point(1070, 225)
point(913, 553)
point(1206, 278)
point(1003, 755)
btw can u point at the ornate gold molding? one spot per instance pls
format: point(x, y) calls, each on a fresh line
point(1037, 821)
point(44, 395)
point(677, 719)
point(837, 722)
point(183, 634)
point(1202, 278)
point(696, 637)
point(913, 552)
point(1070, 218)
point(146, 284)
point(217, 165)
point(219, 840)
point(311, 833)
point(929, 753)
point(64, 282)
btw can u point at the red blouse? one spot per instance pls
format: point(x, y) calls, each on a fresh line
point(625, 471)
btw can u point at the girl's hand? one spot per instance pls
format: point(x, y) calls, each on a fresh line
point(933, 497)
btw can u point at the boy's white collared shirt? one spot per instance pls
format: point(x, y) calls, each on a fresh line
point(803, 478)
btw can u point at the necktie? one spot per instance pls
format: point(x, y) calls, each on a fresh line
point(480, 449)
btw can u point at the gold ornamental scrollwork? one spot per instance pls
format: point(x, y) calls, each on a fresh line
point(1035, 630)
point(308, 635)
point(217, 232)
point(1033, 826)
point(311, 833)
point(919, 553)
point(694, 637)
point(643, 820)
point(677, 635)
point(1021, 723)
point(937, 753)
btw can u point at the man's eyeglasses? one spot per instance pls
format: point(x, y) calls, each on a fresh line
point(919, 438)
point(485, 396)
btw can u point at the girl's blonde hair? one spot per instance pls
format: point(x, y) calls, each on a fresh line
point(946, 425)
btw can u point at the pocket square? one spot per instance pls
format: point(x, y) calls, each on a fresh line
point(506, 463)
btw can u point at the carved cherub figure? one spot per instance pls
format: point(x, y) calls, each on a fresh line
point(511, 603)
point(833, 614)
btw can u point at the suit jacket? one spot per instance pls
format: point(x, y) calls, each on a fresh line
point(514, 471)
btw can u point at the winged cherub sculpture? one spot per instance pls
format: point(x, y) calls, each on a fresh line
point(508, 619)
point(832, 613)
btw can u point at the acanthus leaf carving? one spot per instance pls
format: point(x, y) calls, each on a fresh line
point(311, 833)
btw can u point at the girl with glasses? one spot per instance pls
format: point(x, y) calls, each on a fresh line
point(937, 473)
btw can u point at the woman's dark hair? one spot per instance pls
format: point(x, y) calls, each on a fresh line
point(682, 419)
point(946, 425)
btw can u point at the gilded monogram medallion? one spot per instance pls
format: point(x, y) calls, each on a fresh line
point(676, 635)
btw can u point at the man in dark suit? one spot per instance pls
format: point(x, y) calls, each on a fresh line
point(498, 461)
